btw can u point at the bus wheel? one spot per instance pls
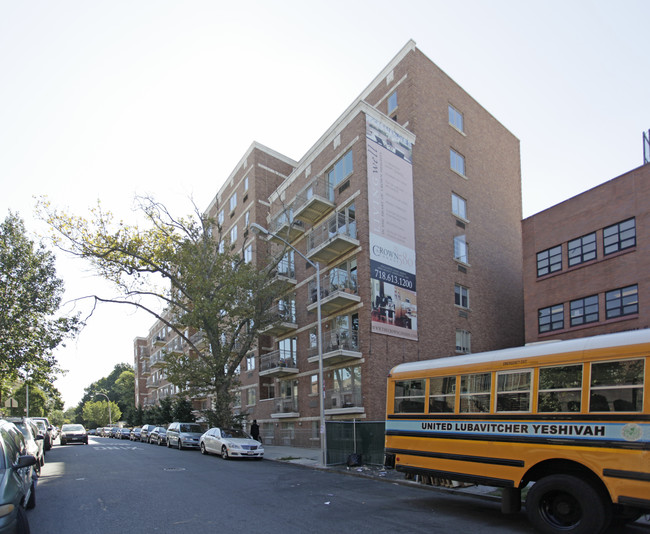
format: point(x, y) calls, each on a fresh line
point(564, 503)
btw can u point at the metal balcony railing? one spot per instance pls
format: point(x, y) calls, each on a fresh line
point(277, 359)
point(335, 340)
point(339, 398)
point(286, 405)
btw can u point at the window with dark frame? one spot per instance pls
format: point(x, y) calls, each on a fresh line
point(619, 236)
point(582, 249)
point(584, 310)
point(551, 318)
point(621, 302)
point(549, 261)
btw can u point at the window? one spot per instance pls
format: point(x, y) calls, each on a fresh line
point(287, 348)
point(392, 103)
point(617, 386)
point(341, 170)
point(514, 391)
point(460, 249)
point(623, 301)
point(246, 183)
point(475, 393)
point(222, 247)
point(409, 396)
point(549, 261)
point(551, 318)
point(248, 254)
point(560, 389)
point(458, 206)
point(463, 338)
point(461, 296)
point(442, 394)
point(220, 218)
point(583, 311)
point(457, 162)
point(456, 118)
point(313, 388)
point(233, 235)
point(619, 236)
point(250, 362)
point(582, 249)
point(233, 201)
point(247, 219)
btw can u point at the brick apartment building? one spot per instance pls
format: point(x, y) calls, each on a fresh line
point(585, 262)
point(411, 205)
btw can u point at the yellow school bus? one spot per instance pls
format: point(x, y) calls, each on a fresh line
point(570, 417)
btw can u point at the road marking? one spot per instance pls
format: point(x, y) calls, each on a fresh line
point(123, 448)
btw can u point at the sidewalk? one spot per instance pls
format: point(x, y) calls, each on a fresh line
point(312, 458)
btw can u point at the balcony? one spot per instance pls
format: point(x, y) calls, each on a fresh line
point(285, 320)
point(283, 275)
point(285, 226)
point(159, 342)
point(278, 364)
point(146, 371)
point(338, 346)
point(285, 408)
point(153, 383)
point(199, 340)
point(157, 360)
point(315, 201)
point(336, 292)
point(332, 238)
point(344, 401)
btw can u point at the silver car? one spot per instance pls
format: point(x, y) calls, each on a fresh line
point(184, 435)
point(231, 443)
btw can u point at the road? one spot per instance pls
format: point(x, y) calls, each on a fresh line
point(122, 486)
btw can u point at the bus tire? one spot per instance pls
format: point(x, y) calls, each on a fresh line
point(567, 504)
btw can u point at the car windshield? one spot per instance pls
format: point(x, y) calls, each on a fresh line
point(72, 428)
point(233, 433)
point(190, 428)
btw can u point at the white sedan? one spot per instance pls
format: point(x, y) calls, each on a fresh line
point(230, 443)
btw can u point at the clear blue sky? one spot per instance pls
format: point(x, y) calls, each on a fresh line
point(111, 99)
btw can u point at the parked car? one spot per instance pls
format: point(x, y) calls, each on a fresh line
point(184, 435)
point(158, 435)
point(135, 434)
point(92, 432)
point(42, 425)
point(231, 443)
point(144, 432)
point(124, 433)
point(33, 439)
point(114, 432)
point(73, 433)
point(17, 479)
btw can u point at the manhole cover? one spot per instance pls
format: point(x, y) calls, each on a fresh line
point(174, 469)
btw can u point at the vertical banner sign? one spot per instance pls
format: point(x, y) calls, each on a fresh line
point(392, 231)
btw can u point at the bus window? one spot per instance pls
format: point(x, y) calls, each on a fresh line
point(560, 389)
point(409, 396)
point(513, 391)
point(475, 393)
point(442, 394)
point(616, 386)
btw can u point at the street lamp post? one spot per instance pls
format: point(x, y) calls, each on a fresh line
point(257, 229)
point(110, 417)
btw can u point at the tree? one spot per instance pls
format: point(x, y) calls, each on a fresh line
point(187, 276)
point(97, 413)
point(182, 411)
point(30, 296)
point(37, 401)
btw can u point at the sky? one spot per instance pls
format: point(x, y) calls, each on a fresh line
point(109, 100)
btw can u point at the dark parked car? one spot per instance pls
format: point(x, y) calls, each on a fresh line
point(73, 433)
point(144, 432)
point(47, 431)
point(124, 433)
point(33, 440)
point(158, 435)
point(17, 479)
point(114, 432)
point(135, 434)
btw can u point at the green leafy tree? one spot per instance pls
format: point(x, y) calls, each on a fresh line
point(57, 417)
point(30, 297)
point(186, 269)
point(96, 413)
point(37, 401)
point(182, 410)
point(165, 411)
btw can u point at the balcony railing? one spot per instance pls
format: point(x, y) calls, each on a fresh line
point(338, 346)
point(314, 201)
point(285, 407)
point(285, 319)
point(286, 226)
point(332, 238)
point(157, 360)
point(337, 292)
point(344, 399)
point(278, 363)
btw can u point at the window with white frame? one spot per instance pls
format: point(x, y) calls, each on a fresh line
point(341, 170)
point(222, 247)
point(251, 396)
point(248, 254)
point(233, 235)
point(250, 362)
point(458, 206)
point(246, 183)
point(460, 249)
point(247, 219)
point(461, 296)
point(457, 162)
point(463, 341)
point(233, 201)
point(456, 118)
point(392, 102)
point(220, 218)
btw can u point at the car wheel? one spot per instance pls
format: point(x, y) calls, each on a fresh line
point(22, 525)
point(203, 451)
point(224, 453)
point(32, 497)
point(180, 444)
